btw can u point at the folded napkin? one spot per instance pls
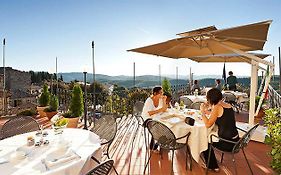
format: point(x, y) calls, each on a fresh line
point(69, 156)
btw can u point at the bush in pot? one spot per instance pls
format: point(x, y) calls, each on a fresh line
point(53, 107)
point(261, 112)
point(44, 101)
point(272, 120)
point(76, 106)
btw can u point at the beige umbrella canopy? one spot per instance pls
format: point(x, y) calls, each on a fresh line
point(210, 41)
point(227, 58)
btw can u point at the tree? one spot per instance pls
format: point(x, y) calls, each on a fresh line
point(166, 85)
point(76, 103)
point(44, 98)
point(101, 93)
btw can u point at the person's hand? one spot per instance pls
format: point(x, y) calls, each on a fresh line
point(164, 97)
point(164, 108)
point(204, 107)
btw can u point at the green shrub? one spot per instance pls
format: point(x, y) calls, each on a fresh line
point(28, 112)
point(54, 103)
point(76, 103)
point(272, 120)
point(44, 98)
point(166, 85)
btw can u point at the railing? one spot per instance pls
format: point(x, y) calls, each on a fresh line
point(274, 98)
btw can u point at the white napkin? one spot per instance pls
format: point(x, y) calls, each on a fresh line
point(70, 155)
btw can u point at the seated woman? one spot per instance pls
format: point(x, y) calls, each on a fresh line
point(154, 104)
point(222, 115)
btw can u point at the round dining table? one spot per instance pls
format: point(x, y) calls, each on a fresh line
point(66, 153)
point(199, 137)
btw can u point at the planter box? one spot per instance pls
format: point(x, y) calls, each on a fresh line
point(72, 122)
point(41, 110)
point(51, 114)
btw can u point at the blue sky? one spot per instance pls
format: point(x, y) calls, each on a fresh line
point(37, 32)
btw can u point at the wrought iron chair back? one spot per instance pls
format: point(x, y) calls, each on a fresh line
point(105, 128)
point(229, 97)
point(186, 102)
point(138, 110)
point(102, 169)
point(243, 142)
point(240, 145)
point(164, 137)
point(196, 105)
point(19, 125)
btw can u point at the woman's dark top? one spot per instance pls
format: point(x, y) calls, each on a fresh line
point(227, 125)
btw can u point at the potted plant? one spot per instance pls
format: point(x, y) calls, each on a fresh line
point(53, 107)
point(76, 107)
point(272, 121)
point(58, 123)
point(261, 112)
point(44, 100)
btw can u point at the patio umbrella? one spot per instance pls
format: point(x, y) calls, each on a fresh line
point(209, 41)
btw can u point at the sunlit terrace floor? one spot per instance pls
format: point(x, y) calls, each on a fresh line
point(130, 158)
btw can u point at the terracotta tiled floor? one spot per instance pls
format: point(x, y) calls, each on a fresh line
point(130, 158)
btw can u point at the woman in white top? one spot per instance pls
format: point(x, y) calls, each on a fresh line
point(154, 104)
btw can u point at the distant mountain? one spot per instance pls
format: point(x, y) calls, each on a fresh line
point(144, 80)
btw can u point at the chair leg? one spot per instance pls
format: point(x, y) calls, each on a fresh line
point(234, 164)
point(222, 154)
point(173, 152)
point(147, 163)
point(188, 153)
point(208, 162)
point(247, 161)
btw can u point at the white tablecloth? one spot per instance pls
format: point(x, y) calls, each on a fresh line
point(82, 142)
point(193, 98)
point(198, 139)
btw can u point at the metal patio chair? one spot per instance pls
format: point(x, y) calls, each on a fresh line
point(241, 144)
point(231, 99)
point(196, 105)
point(166, 140)
point(102, 169)
point(106, 129)
point(187, 102)
point(19, 125)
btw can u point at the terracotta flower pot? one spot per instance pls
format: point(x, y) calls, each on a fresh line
point(258, 118)
point(72, 122)
point(40, 110)
point(51, 114)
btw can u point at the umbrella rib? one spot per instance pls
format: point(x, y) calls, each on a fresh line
point(238, 38)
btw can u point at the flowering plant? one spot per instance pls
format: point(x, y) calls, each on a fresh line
point(59, 121)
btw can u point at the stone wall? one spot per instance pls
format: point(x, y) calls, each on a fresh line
point(16, 79)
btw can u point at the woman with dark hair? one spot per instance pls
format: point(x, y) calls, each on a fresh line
point(154, 104)
point(223, 116)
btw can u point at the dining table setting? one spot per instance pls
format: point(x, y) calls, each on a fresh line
point(67, 152)
point(175, 119)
